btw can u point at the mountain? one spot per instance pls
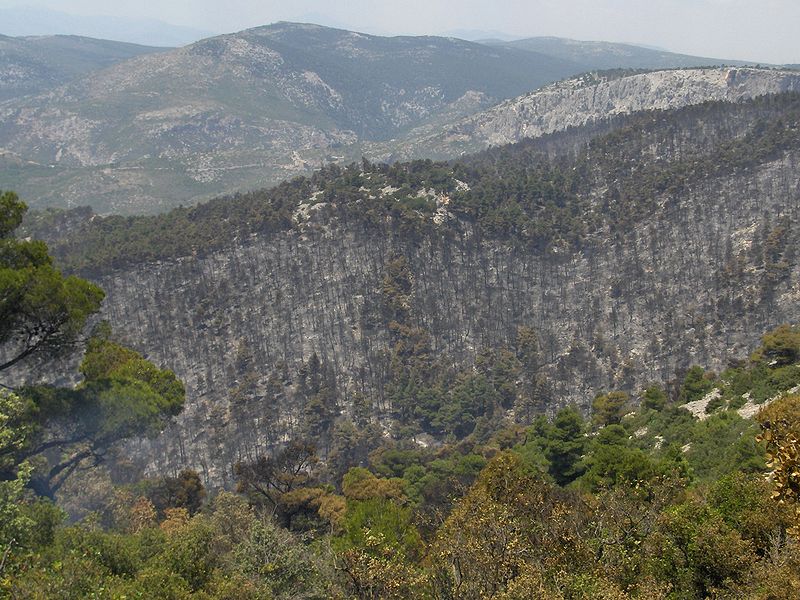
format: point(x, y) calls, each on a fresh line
point(31, 65)
point(591, 98)
point(599, 261)
point(243, 110)
point(479, 35)
point(608, 55)
point(40, 21)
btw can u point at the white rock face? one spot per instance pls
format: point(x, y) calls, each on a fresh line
point(698, 407)
point(750, 409)
point(591, 98)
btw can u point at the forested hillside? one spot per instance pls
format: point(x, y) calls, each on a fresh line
point(669, 500)
point(567, 368)
point(392, 283)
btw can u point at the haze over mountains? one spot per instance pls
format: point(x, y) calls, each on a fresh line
point(39, 21)
point(607, 55)
point(249, 109)
point(31, 65)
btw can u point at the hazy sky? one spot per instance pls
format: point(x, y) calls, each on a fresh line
point(760, 30)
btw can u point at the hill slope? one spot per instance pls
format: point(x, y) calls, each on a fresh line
point(245, 109)
point(587, 99)
point(670, 241)
point(31, 65)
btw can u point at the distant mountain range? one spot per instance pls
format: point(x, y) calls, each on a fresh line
point(591, 98)
point(31, 65)
point(40, 21)
point(607, 55)
point(245, 110)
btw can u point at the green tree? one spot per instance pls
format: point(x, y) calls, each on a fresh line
point(697, 552)
point(613, 460)
point(608, 409)
point(654, 398)
point(696, 384)
point(566, 445)
point(14, 524)
point(122, 395)
point(184, 491)
point(41, 311)
point(273, 559)
point(471, 397)
point(378, 550)
point(779, 347)
point(509, 524)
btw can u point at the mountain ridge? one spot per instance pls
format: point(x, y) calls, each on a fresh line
point(593, 97)
point(580, 248)
point(239, 111)
point(269, 102)
point(33, 64)
point(599, 55)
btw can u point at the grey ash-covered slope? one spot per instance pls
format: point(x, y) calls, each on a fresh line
point(244, 110)
point(587, 99)
point(31, 65)
point(609, 55)
point(673, 243)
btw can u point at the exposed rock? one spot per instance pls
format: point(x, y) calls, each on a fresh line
point(751, 409)
point(698, 407)
point(591, 98)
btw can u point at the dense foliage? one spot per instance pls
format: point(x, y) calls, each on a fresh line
point(48, 433)
point(650, 498)
point(41, 311)
point(673, 494)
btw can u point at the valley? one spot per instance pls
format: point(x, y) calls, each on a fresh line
point(245, 110)
point(302, 312)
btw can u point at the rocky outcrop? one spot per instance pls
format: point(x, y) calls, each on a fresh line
point(588, 99)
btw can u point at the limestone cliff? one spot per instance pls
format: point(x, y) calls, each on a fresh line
point(588, 99)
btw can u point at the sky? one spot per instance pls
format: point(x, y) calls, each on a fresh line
point(757, 30)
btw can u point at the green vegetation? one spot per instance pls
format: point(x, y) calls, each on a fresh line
point(643, 500)
point(48, 433)
point(41, 311)
point(452, 498)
